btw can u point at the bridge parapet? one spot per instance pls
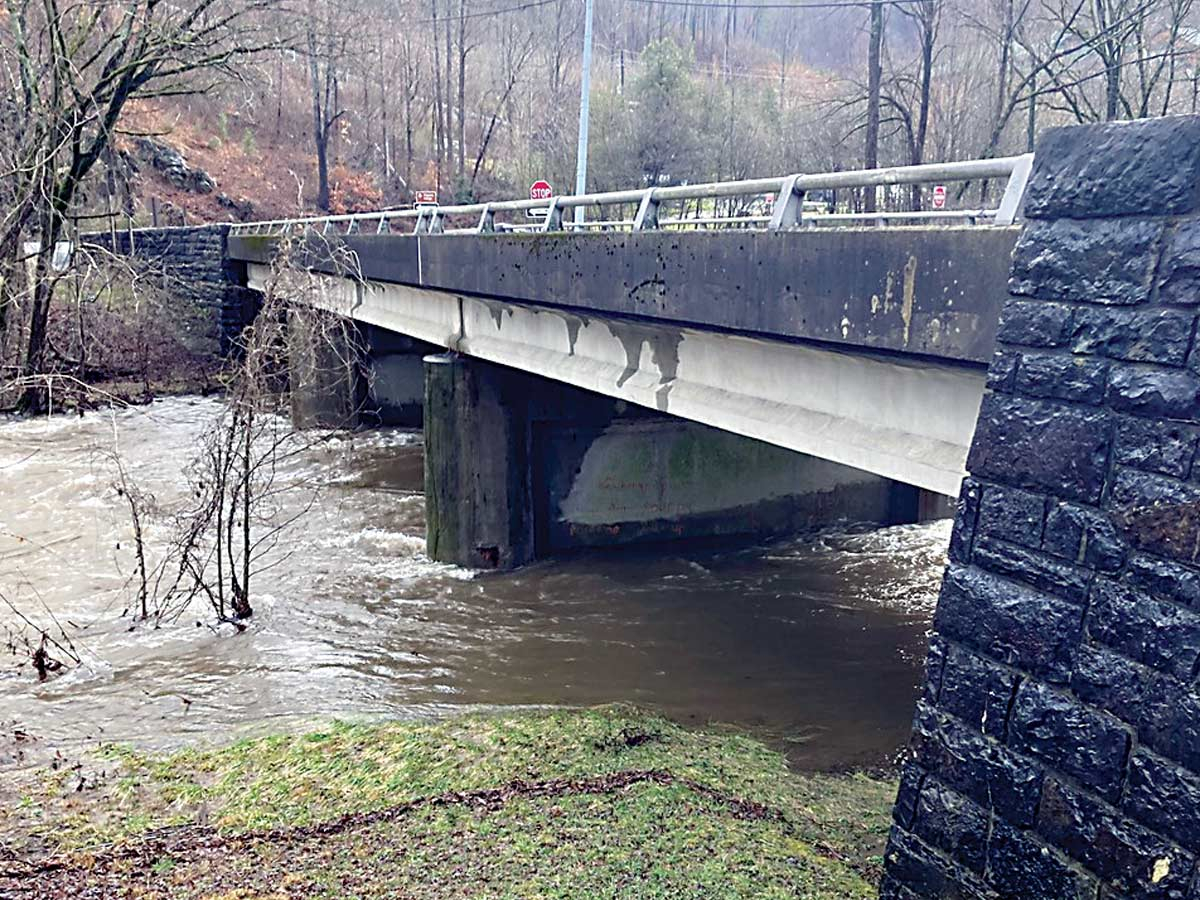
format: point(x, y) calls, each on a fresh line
point(927, 291)
point(1056, 750)
point(920, 289)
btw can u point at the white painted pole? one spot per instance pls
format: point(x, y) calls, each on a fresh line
point(585, 90)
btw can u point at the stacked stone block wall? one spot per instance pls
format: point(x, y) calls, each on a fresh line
point(1056, 747)
point(191, 265)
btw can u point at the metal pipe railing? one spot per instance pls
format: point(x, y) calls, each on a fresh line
point(787, 206)
point(907, 215)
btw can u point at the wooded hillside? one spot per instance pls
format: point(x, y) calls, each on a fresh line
point(365, 101)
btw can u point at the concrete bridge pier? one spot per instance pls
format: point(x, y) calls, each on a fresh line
point(395, 376)
point(477, 508)
point(325, 369)
point(518, 466)
point(344, 374)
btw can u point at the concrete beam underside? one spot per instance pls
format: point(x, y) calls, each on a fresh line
point(911, 421)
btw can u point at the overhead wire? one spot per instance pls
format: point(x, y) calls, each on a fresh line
point(454, 17)
point(709, 4)
point(780, 4)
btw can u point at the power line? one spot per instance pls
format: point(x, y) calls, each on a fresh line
point(454, 17)
point(804, 4)
point(782, 4)
point(810, 4)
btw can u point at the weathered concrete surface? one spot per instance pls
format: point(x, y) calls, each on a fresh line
point(931, 291)
point(395, 375)
point(906, 420)
point(1056, 748)
point(325, 369)
point(396, 393)
point(660, 479)
point(477, 511)
point(518, 466)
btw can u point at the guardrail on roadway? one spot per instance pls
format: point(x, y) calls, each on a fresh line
point(787, 210)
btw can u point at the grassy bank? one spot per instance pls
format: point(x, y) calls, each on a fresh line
point(596, 803)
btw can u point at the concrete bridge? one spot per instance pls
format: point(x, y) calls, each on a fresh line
point(862, 348)
point(1056, 744)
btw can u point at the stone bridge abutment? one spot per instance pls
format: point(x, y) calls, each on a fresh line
point(192, 264)
point(1056, 747)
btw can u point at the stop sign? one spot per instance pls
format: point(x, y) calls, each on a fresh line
point(939, 196)
point(540, 190)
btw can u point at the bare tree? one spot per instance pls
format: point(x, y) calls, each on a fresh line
point(229, 532)
point(330, 31)
point(69, 74)
point(517, 49)
point(908, 95)
point(411, 85)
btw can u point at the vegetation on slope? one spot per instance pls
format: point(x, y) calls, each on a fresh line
point(608, 802)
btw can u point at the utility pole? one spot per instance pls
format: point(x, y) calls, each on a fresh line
point(585, 90)
point(874, 77)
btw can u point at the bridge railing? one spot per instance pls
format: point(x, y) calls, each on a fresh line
point(787, 207)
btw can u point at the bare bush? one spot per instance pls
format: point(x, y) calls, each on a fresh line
point(116, 330)
point(231, 527)
point(39, 639)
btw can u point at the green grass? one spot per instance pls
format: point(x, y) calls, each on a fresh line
point(722, 818)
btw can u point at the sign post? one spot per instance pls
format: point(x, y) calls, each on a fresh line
point(539, 190)
point(939, 196)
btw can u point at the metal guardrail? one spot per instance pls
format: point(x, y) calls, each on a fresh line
point(787, 209)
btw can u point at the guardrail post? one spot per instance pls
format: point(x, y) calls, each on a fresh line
point(487, 221)
point(1014, 191)
point(437, 222)
point(647, 214)
point(789, 206)
point(421, 227)
point(553, 220)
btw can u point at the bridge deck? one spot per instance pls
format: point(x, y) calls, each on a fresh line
point(932, 291)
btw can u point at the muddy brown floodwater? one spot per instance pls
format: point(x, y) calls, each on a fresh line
point(814, 644)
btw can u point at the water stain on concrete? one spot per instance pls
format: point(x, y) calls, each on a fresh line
point(574, 324)
point(664, 355)
point(906, 307)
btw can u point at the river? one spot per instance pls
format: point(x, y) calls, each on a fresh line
point(814, 644)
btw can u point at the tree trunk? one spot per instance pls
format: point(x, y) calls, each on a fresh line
point(448, 108)
point(462, 88)
point(34, 399)
point(408, 139)
point(928, 37)
point(241, 597)
point(439, 133)
point(1112, 88)
point(279, 97)
point(1006, 38)
point(385, 134)
point(1031, 125)
point(320, 132)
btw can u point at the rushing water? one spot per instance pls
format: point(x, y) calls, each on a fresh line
point(815, 643)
